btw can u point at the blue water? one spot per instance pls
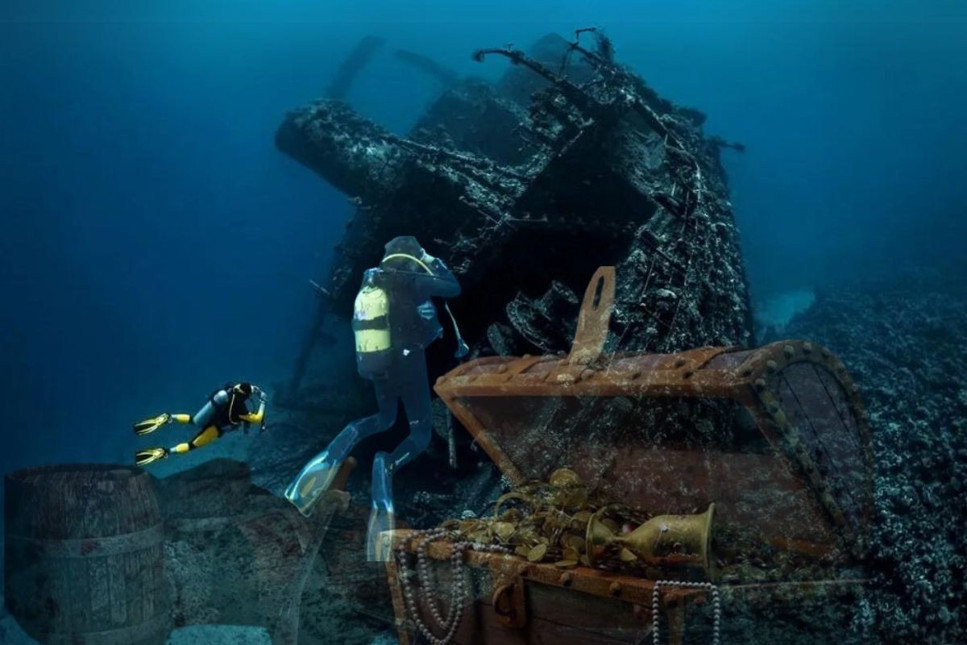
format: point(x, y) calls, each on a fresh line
point(155, 243)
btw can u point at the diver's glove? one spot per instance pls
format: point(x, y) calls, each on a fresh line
point(440, 267)
point(426, 310)
point(435, 263)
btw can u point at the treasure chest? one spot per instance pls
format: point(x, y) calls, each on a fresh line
point(750, 471)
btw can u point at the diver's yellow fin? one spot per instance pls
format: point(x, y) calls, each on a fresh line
point(150, 425)
point(145, 457)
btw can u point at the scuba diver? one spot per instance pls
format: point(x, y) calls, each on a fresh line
point(394, 321)
point(225, 410)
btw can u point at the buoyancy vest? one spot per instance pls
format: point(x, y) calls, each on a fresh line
point(218, 409)
point(425, 327)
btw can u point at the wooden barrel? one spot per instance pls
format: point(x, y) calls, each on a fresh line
point(84, 556)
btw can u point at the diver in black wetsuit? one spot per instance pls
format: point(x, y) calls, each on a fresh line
point(225, 410)
point(394, 320)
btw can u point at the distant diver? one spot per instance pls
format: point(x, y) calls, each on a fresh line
point(394, 321)
point(226, 410)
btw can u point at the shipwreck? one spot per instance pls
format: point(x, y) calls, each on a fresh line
point(524, 187)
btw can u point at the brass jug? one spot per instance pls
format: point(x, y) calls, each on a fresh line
point(662, 541)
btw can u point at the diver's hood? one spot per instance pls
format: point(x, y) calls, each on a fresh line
point(404, 253)
point(403, 244)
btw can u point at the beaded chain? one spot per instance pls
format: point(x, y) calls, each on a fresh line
point(458, 589)
point(707, 586)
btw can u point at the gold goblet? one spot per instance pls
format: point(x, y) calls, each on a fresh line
point(662, 541)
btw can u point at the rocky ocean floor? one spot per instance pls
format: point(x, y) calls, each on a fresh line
point(905, 343)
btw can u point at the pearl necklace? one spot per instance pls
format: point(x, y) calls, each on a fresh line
point(458, 590)
point(707, 586)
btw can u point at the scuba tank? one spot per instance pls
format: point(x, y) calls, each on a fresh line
point(204, 416)
point(371, 327)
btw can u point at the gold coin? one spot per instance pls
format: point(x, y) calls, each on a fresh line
point(504, 530)
point(526, 535)
point(537, 553)
point(563, 477)
point(483, 536)
point(575, 542)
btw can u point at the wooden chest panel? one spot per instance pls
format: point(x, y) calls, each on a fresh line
point(585, 606)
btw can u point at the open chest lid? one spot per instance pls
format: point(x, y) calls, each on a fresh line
point(776, 436)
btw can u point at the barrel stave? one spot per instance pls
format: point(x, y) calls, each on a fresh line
point(84, 556)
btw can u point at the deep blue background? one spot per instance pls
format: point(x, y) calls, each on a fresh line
point(154, 243)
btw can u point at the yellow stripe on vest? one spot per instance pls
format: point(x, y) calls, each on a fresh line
point(371, 304)
point(372, 340)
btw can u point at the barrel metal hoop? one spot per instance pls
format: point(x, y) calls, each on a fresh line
point(94, 546)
